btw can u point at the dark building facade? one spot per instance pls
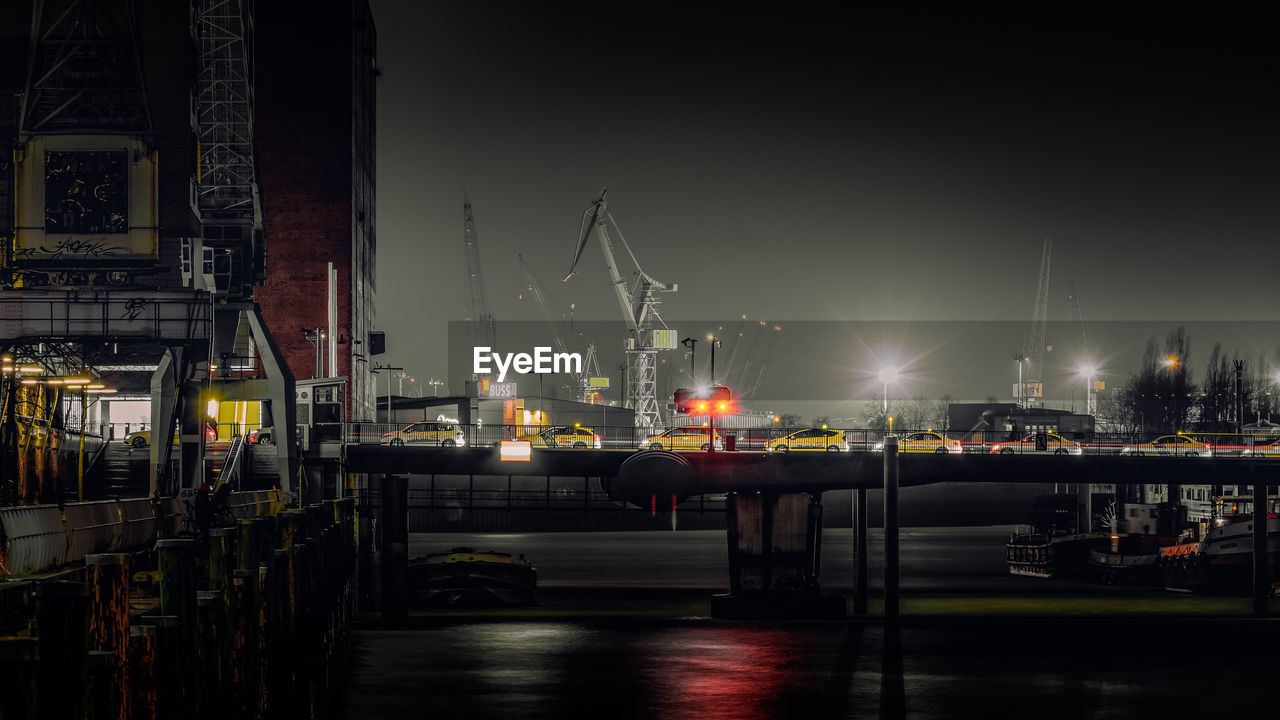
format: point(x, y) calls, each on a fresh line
point(994, 420)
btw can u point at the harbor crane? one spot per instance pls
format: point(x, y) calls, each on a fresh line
point(639, 302)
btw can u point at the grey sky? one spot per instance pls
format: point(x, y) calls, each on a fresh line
point(832, 162)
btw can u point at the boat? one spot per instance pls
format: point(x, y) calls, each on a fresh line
point(1038, 554)
point(1050, 546)
point(1222, 561)
point(1131, 559)
point(466, 577)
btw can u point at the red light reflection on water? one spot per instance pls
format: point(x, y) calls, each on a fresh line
point(724, 673)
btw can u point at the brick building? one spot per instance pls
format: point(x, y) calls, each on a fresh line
point(315, 125)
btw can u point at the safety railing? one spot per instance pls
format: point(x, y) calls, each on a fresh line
point(786, 439)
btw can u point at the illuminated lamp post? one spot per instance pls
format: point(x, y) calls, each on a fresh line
point(887, 375)
point(1088, 371)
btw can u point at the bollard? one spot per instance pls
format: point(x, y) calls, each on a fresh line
point(143, 700)
point(176, 560)
point(104, 692)
point(246, 557)
point(19, 662)
point(891, 570)
point(108, 576)
point(210, 687)
point(62, 621)
point(243, 660)
point(1261, 569)
point(172, 675)
point(222, 557)
point(395, 547)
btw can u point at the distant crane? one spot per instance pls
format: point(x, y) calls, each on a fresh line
point(481, 321)
point(590, 363)
point(639, 303)
point(1034, 354)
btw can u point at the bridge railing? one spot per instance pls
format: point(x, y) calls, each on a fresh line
point(769, 438)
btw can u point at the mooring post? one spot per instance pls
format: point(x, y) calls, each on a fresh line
point(860, 551)
point(62, 625)
point(1261, 570)
point(891, 528)
point(395, 547)
point(108, 576)
point(18, 665)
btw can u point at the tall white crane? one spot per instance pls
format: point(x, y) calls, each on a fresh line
point(481, 319)
point(639, 304)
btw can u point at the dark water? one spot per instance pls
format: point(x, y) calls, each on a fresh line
point(932, 558)
point(613, 638)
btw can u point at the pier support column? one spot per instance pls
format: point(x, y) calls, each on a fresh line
point(774, 552)
point(1261, 569)
point(891, 555)
point(395, 547)
point(860, 551)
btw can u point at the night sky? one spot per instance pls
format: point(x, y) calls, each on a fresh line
point(831, 162)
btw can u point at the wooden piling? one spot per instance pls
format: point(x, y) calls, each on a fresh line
point(172, 674)
point(245, 680)
point(143, 693)
point(19, 663)
point(62, 623)
point(104, 693)
point(176, 560)
point(108, 578)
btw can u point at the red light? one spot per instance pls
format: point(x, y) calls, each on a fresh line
point(702, 406)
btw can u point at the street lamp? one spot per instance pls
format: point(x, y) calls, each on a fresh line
point(1088, 370)
point(715, 343)
point(887, 375)
point(317, 338)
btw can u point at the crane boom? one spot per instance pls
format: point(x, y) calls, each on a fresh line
point(539, 296)
point(639, 306)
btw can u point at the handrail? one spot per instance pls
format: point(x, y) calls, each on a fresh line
point(230, 474)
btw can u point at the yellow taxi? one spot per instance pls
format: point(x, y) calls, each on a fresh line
point(563, 436)
point(142, 438)
point(683, 438)
point(815, 439)
point(1039, 443)
point(444, 433)
point(925, 442)
point(1171, 446)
